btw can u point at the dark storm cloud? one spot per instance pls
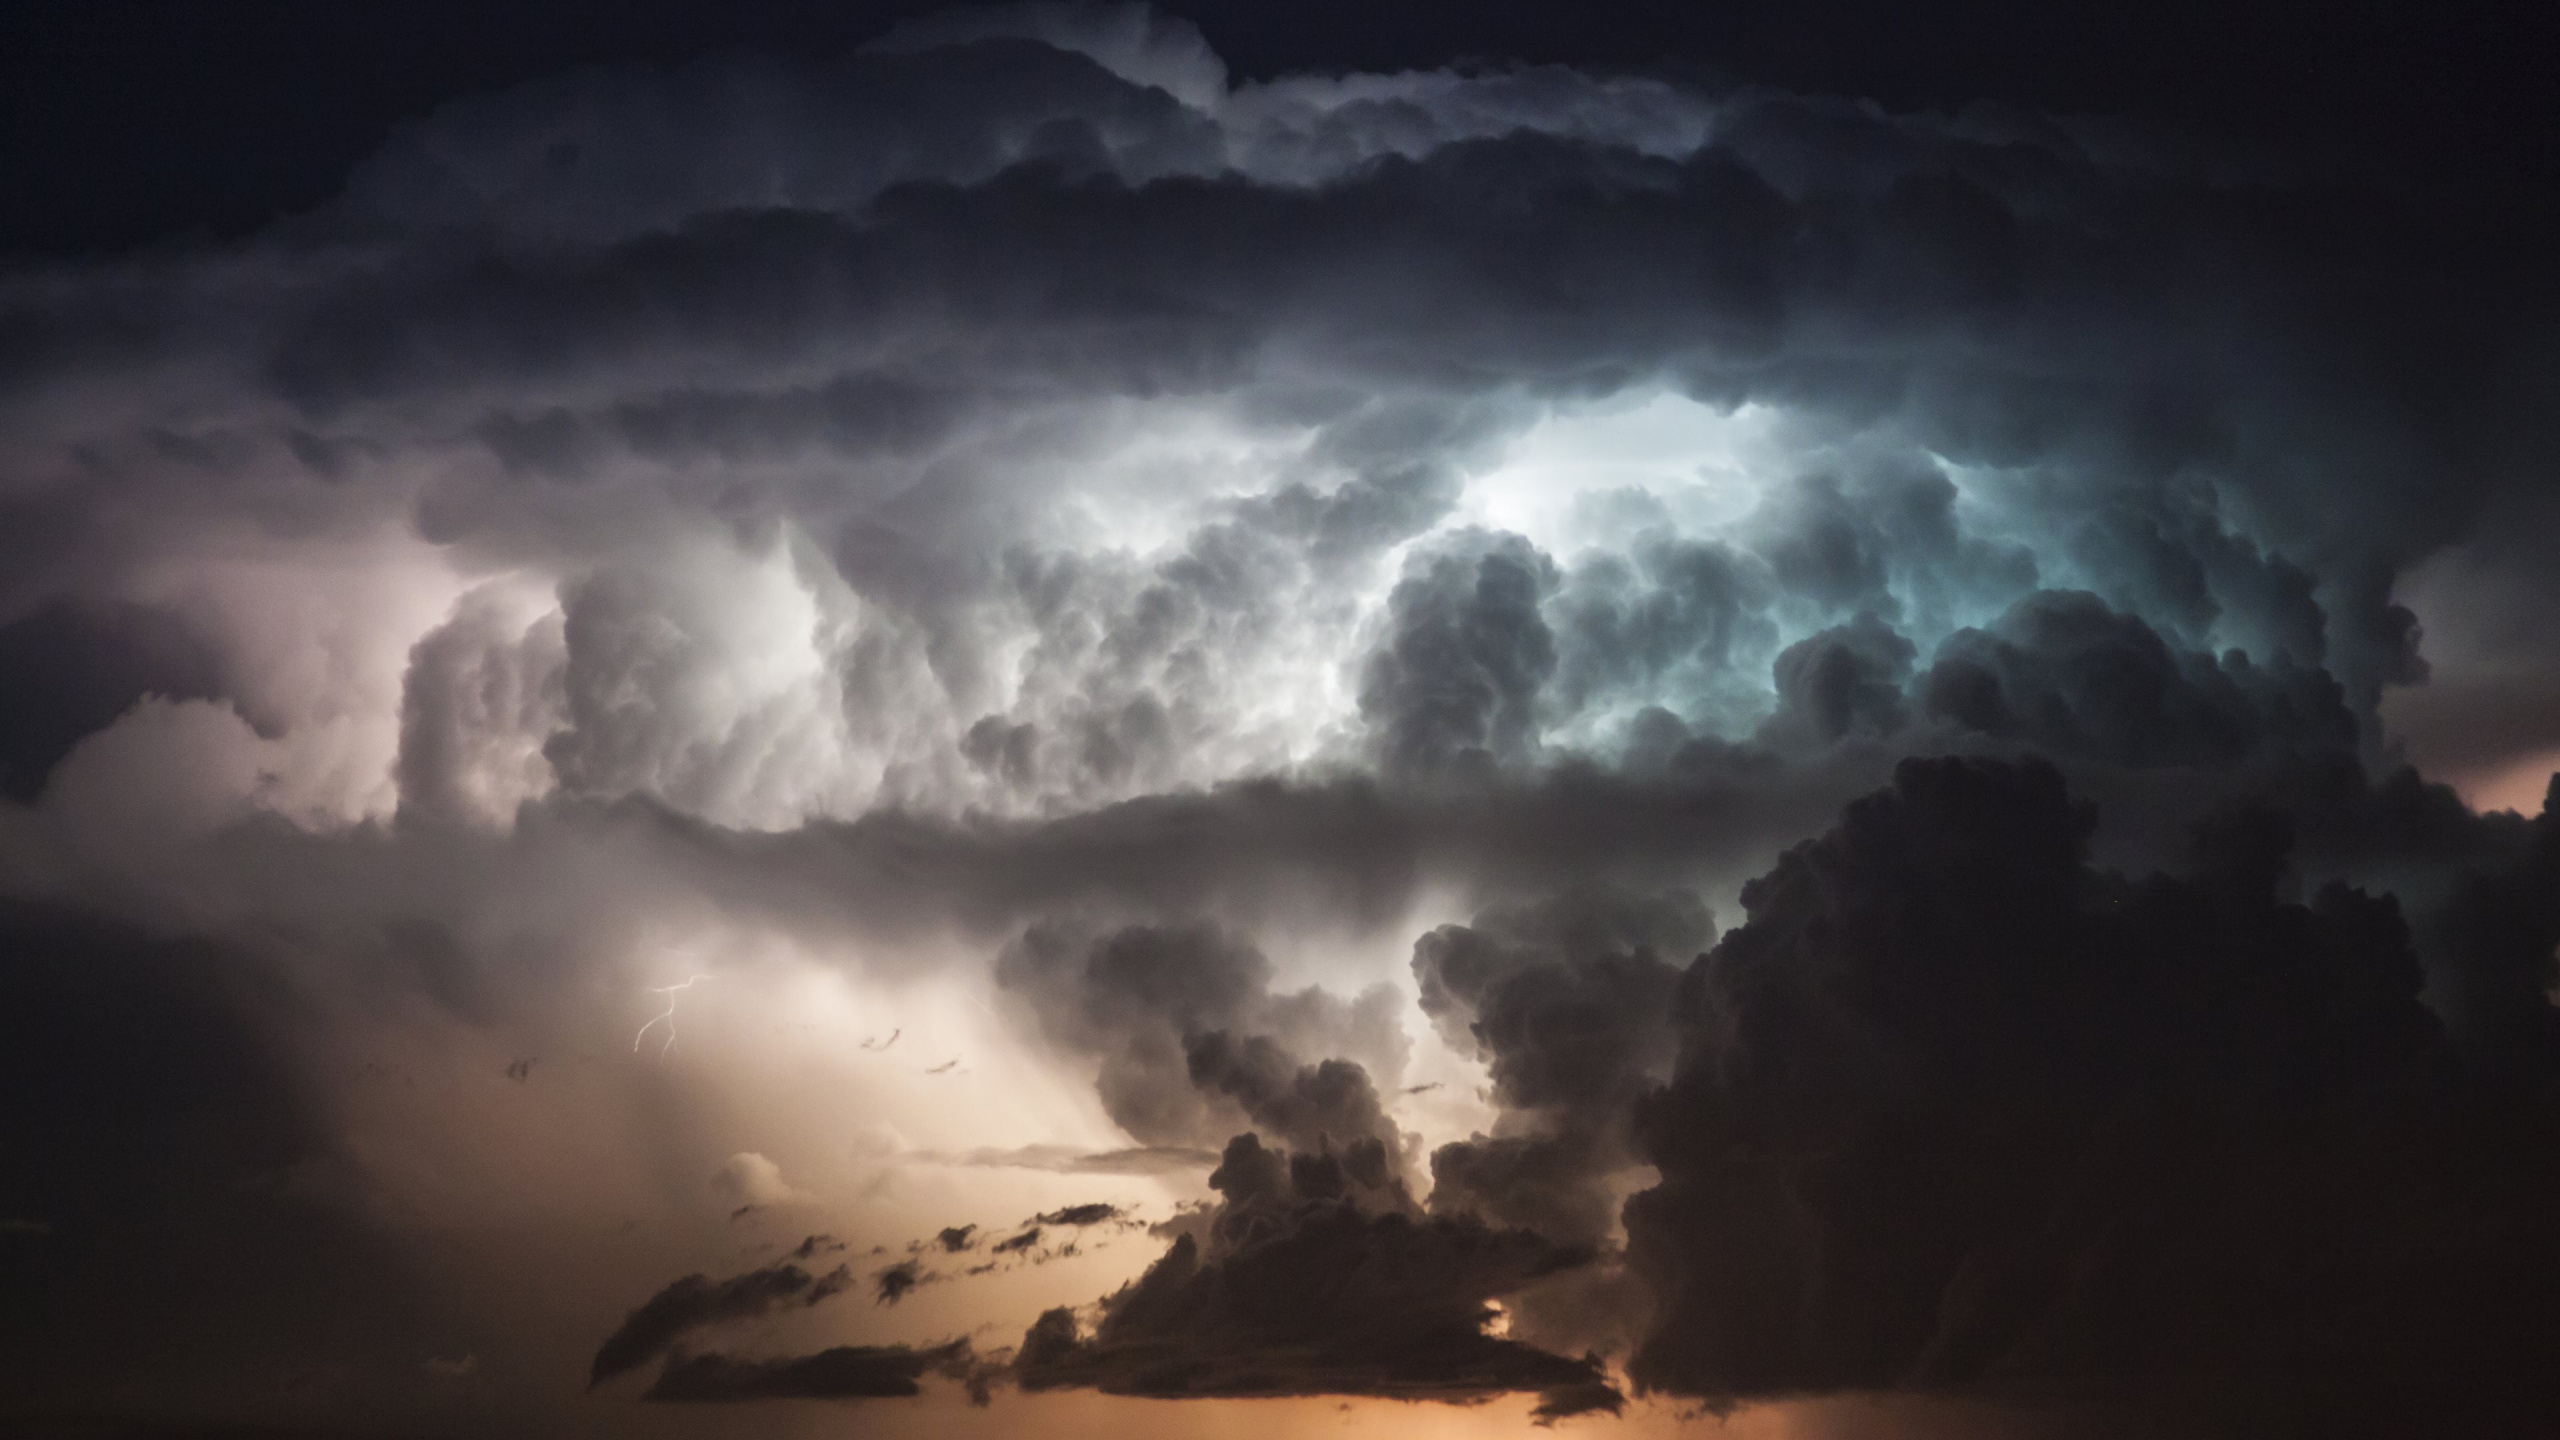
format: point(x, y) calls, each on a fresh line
point(1093, 1213)
point(1315, 1276)
point(2064, 674)
point(2494, 950)
point(1348, 846)
point(1846, 680)
point(1669, 614)
point(696, 1302)
point(846, 1372)
point(1331, 1102)
point(1962, 230)
point(2021, 302)
point(1189, 1035)
point(1569, 1002)
point(1954, 1109)
point(894, 1283)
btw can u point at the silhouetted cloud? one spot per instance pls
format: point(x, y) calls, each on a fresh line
point(846, 1372)
point(1315, 1276)
point(1953, 1108)
point(1095, 1213)
point(1189, 1035)
point(696, 1302)
point(892, 1283)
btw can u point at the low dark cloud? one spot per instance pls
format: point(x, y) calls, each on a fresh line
point(1590, 1397)
point(816, 1245)
point(1189, 1035)
point(697, 1302)
point(1954, 1109)
point(893, 1283)
point(846, 1372)
point(1093, 1213)
point(1329, 1103)
point(2061, 672)
point(1315, 1276)
point(1568, 1001)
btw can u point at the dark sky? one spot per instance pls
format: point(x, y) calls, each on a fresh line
point(1083, 720)
point(146, 119)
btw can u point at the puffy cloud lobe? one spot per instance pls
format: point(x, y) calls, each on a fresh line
point(1309, 1107)
point(484, 691)
point(1189, 1035)
point(750, 1179)
point(1456, 679)
point(710, 681)
point(1569, 1001)
point(1676, 621)
point(1847, 680)
point(1954, 1109)
point(2065, 674)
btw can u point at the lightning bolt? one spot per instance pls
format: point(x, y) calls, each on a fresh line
point(669, 1018)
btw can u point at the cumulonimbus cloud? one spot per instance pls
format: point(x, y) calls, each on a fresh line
point(1021, 508)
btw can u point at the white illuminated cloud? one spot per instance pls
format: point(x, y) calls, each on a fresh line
point(1593, 474)
point(748, 1178)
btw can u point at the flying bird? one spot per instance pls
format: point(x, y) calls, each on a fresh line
point(878, 1044)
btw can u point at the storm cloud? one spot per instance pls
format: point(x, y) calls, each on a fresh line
point(1953, 1108)
point(1314, 1277)
point(695, 1302)
point(1638, 736)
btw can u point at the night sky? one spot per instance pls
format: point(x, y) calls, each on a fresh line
point(793, 719)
